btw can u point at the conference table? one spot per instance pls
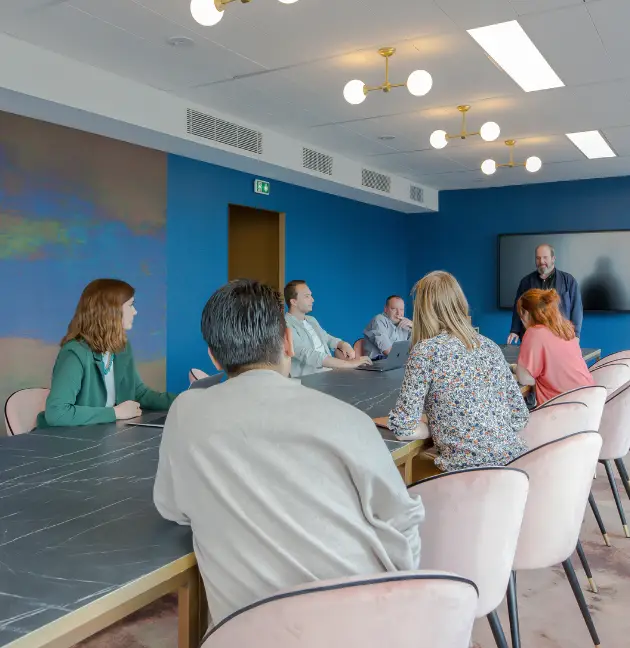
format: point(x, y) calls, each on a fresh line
point(81, 544)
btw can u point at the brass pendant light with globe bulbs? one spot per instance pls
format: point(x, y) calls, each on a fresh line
point(209, 12)
point(418, 83)
point(532, 164)
point(489, 132)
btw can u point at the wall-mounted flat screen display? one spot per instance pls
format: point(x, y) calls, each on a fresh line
point(600, 261)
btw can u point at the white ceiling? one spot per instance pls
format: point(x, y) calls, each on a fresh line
point(283, 67)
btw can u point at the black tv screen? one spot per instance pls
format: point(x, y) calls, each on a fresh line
point(600, 261)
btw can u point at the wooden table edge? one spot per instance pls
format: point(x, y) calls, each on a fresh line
point(181, 576)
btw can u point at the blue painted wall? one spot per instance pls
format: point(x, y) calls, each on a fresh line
point(462, 239)
point(328, 241)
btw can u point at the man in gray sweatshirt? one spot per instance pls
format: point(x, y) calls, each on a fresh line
point(281, 484)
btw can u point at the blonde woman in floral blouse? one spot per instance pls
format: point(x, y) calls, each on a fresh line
point(460, 380)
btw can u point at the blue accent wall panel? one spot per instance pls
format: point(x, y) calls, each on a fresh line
point(352, 255)
point(462, 238)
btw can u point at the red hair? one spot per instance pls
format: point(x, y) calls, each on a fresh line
point(98, 316)
point(543, 307)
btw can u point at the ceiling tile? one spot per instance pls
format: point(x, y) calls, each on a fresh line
point(277, 35)
point(345, 141)
point(477, 13)
point(611, 19)
point(75, 33)
point(579, 56)
point(524, 7)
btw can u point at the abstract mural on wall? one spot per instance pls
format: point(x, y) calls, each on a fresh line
point(74, 207)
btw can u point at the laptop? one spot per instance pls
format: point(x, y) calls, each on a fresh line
point(158, 422)
point(396, 358)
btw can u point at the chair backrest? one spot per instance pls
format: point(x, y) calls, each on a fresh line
point(358, 348)
point(208, 381)
point(388, 609)
point(612, 357)
point(22, 407)
point(593, 396)
point(473, 521)
point(612, 375)
point(555, 422)
point(196, 374)
point(560, 477)
point(615, 425)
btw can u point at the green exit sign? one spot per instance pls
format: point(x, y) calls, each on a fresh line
point(262, 187)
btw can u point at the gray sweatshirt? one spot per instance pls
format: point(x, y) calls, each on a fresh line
point(281, 485)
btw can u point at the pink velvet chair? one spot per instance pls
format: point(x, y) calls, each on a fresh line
point(405, 609)
point(22, 407)
point(612, 375)
point(593, 396)
point(556, 421)
point(560, 476)
point(196, 374)
point(615, 431)
point(487, 506)
point(612, 357)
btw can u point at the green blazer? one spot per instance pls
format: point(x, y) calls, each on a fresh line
point(78, 394)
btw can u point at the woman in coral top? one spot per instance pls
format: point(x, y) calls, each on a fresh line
point(550, 356)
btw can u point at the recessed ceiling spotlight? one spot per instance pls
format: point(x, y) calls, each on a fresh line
point(180, 41)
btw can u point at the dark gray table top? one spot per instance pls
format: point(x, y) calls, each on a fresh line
point(510, 351)
point(77, 520)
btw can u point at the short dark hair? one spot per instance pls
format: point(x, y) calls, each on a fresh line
point(392, 297)
point(290, 291)
point(243, 324)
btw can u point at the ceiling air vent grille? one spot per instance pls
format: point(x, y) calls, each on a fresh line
point(316, 161)
point(374, 180)
point(416, 194)
point(224, 132)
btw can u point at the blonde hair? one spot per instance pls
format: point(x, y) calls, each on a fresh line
point(440, 307)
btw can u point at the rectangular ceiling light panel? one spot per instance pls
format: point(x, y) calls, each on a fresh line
point(592, 144)
point(513, 51)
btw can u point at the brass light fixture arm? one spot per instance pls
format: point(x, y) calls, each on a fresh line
point(463, 134)
point(219, 4)
point(511, 164)
point(386, 53)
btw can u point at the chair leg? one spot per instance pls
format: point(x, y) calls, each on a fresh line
point(598, 517)
point(615, 491)
point(513, 611)
point(623, 473)
point(497, 630)
point(586, 567)
point(581, 601)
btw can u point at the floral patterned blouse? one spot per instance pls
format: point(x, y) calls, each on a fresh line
point(474, 406)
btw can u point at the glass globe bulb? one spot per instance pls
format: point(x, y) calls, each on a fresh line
point(533, 164)
point(205, 12)
point(490, 131)
point(419, 83)
point(489, 167)
point(438, 139)
point(353, 92)
point(288, 1)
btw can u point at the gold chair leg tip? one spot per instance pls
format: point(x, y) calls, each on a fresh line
point(606, 540)
point(626, 531)
point(593, 586)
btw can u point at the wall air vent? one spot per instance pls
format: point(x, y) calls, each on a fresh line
point(222, 131)
point(416, 194)
point(374, 180)
point(316, 161)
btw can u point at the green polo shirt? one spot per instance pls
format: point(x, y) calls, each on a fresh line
point(78, 394)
